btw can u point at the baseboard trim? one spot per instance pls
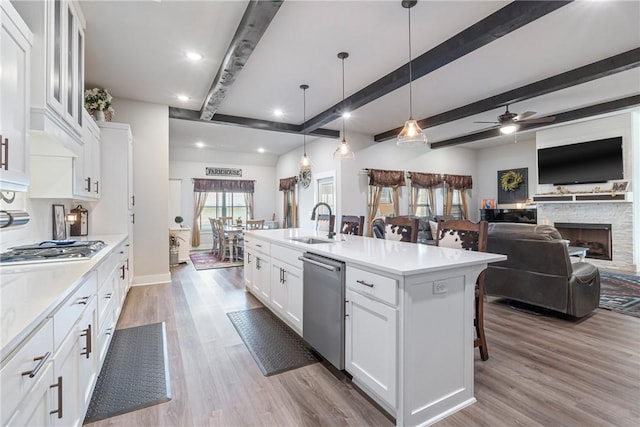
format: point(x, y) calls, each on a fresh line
point(151, 279)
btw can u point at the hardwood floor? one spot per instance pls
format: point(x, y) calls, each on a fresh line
point(542, 371)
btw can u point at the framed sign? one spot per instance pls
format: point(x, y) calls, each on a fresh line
point(59, 225)
point(512, 185)
point(223, 172)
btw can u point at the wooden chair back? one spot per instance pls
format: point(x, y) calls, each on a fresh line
point(462, 234)
point(352, 224)
point(226, 220)
point(255, 224)
point(402, 228)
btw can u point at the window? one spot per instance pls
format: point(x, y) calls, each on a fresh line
point(325, 192)
point(222, 204)
point(386, 203)
point(422, 203)
point(456, 205)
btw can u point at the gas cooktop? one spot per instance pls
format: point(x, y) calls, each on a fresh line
point(52, 251)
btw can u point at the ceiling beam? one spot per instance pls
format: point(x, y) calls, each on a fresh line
point(502, 22)
point(587, 73)
point(193, 115)
point(257, 17)
point(567, 116)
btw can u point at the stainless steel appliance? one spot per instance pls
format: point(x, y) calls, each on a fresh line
point(52, 251)
point(323, 306)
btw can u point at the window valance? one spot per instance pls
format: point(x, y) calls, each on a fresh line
point(288, 184)
point(385, 178)
point(425, 180)
point(459, 182)
point(205, 185)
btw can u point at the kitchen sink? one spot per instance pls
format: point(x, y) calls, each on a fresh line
point(310, 240)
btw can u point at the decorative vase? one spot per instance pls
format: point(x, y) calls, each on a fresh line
point(99, 115)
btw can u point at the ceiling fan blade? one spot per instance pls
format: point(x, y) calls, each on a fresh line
point(494, 123)
point(524, 115)
point(538, 120)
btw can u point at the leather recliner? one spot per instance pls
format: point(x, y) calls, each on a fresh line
point(539, 271)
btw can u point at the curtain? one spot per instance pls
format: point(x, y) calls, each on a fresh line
point(199, 200)
point(429, 181)
point(374, 202)
point(248, 201)
point(379, 179)
point(289, 208)
point(460, 183)
point(204, 185)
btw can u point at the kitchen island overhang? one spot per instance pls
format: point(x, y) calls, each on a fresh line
point(434, 313)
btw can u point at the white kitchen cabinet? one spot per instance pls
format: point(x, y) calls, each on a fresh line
point(86, 167)
point(249, 259)
point(67, 362)
point(88, 364)
point(15, 51)
point(36, 409)
point(286, 285)
point(114, 212)
point(262, 277)
point(371, 345)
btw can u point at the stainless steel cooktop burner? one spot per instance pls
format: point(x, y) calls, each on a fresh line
point(52, 251)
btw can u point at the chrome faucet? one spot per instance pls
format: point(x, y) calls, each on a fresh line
point(313, 218)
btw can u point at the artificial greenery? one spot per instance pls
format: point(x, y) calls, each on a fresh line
point(510, 181)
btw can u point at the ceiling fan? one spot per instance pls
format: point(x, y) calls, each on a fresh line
point(509, 122)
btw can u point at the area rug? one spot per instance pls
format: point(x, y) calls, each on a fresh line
point(135, 373)
point(207, 261)
point(275, 347)
point(620, 293)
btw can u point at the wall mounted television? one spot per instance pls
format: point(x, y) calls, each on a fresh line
point(582, 163)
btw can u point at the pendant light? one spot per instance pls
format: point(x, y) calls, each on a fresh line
point(343, 152)
point(305, 161)
point(411, 134)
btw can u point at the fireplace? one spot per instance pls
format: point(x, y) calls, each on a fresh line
point(595, 237)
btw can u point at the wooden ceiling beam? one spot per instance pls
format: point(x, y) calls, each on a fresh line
point(511, 17)
point(567, 116)
point(257, 17)
point(597, 70)
point(184, 114)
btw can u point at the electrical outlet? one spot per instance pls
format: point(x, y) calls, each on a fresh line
point(439, 287)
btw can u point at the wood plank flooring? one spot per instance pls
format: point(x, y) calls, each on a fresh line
point(542, 370)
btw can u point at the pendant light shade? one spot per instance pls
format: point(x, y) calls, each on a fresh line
point(305, 161)
point(411, 135)
point(343, 152)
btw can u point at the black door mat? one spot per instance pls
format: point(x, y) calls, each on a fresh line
point(275, 347)
point(135, 373)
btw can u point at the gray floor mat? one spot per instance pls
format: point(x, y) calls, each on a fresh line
point(275, 347)
point(135, 373)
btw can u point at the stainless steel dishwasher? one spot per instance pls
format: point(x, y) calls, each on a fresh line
point(323, 306)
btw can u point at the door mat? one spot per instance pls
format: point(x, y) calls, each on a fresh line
point(275, 347)
point(135, 373)
point(207, 261)
point(620, 293)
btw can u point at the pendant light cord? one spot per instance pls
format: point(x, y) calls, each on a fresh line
point(304, 121)
point(410, 74)
point(344, 136)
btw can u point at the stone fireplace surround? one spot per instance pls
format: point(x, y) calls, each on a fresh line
point(618, 214)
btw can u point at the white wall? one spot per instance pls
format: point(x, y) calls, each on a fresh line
point(150, 129)
point(264, 195)
point(510, 156)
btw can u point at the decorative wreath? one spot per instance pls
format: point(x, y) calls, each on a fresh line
point(510, 181)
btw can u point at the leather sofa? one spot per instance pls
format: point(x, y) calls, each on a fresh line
point(538, 270)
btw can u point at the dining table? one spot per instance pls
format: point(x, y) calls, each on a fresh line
point(232, 231)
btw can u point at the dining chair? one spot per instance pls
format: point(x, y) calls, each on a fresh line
point(226, 220)
point(377, 228)
point(324, 223)
point(401, 228)
point(470, 236)
point(255, 224)
point(223, 251)
point(352, 224)
point(215, 246)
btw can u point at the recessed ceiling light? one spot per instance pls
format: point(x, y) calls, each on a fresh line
point(346, 114)
point(260, 150)
point(278, 113)
point(199, 144)
point(194, 56)
point(183, 98)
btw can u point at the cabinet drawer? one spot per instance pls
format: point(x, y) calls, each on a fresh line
point(107, 266)
point(33, 357)
point(260, 246)
point(290, 256)
point(107, 294)
point(374, 285)
point(107, 328)
point(72, 308)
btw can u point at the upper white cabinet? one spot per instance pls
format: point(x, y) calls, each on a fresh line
point(86, 169)
point(57, 78)
point(15, 51)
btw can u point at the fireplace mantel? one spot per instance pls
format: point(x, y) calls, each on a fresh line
point(584, 198)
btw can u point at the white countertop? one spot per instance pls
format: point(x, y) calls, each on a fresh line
point(30, 292)
point(398, 258)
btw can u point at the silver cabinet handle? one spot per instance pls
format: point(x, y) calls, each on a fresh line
point(83, 300)
point(362, 282)
point(41, 361)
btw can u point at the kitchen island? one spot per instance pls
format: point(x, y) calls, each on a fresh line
point(408, 313)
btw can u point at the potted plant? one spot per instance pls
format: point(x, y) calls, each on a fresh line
point(239, 221)
point(178, 220)
point(98, 103)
